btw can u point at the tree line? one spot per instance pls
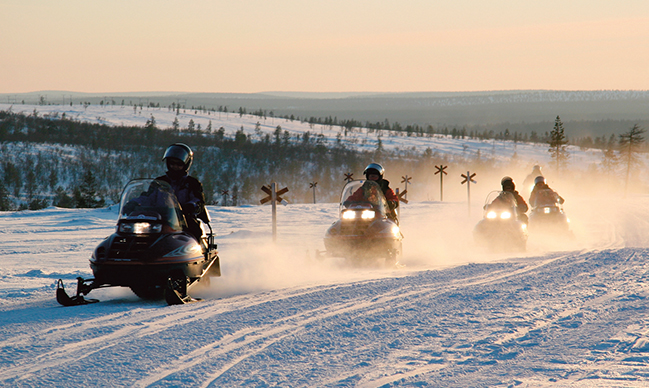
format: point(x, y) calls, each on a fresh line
point(68, 163)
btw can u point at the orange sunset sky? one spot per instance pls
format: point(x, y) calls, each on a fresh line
point(323, 46)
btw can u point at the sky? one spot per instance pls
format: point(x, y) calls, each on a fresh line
point(252, 46)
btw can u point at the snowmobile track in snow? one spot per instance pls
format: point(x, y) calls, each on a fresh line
point(464, 326)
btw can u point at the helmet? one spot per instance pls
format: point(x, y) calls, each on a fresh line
point(536, 168)
point(539, 179)
point(374, 168)
point(181, 152)
point(507, 183)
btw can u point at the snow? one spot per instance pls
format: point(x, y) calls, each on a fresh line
point(567, 312)
point(450, 316)
point(357, 139)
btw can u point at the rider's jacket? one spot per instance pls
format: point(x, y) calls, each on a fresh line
point(543, 194)
point(189, 192)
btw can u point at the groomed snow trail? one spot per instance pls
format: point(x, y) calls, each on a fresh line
point(564, 318)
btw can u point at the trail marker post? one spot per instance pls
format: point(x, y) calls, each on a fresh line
point(224, 194)
point(274, 197)
point(468, 179)
point(313, 185)
point(406, 179)
point(401, 195)
point(441, 172)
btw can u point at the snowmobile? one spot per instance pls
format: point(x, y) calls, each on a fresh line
point(150, 252)
point(500, 229)
point(367, 228)
point(547, 214)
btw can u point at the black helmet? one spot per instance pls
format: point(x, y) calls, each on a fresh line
point(374, 168)
point(181, 152)
point(507, 183)
point(539, 179)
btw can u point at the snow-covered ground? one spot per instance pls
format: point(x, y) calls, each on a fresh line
point(567, 312)
point(571, 314)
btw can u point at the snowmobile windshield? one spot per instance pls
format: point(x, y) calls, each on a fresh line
point(364, 194)
point(500, 202)
point(151, 200)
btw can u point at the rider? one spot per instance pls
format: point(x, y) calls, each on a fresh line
point(509, 186)
point(189, 190)
point(543, 194)
point(374, 172)
point(528, 183)
point(529, 180)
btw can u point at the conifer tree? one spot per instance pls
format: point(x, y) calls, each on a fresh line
point(5, 203)
point(557, 143)
point(62, 199)
point(630, 144)
point(379, 148)
point(610, 160)
point(87, 195)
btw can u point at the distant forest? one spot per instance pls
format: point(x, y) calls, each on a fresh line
point(67, 163)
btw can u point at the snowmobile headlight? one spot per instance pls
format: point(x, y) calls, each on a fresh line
point(395, 230)
point(140, 228)
point(491, 215)
point(349, 215)
point(368, 214)
point(505, 215)
point(547, 210)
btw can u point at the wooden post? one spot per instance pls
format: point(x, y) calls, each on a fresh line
point(273, 201)
point(441, 172)
point(468, 179)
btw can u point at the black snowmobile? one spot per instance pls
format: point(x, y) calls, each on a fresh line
point(366, 228)
point(500, 229)
point(547, 215)
point(150, 252)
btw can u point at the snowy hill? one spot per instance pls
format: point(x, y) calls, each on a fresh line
point(358, 138)
point(521, 110)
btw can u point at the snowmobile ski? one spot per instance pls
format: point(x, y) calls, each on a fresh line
point(64, 299)
point(173, 297)
point(176, 292)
